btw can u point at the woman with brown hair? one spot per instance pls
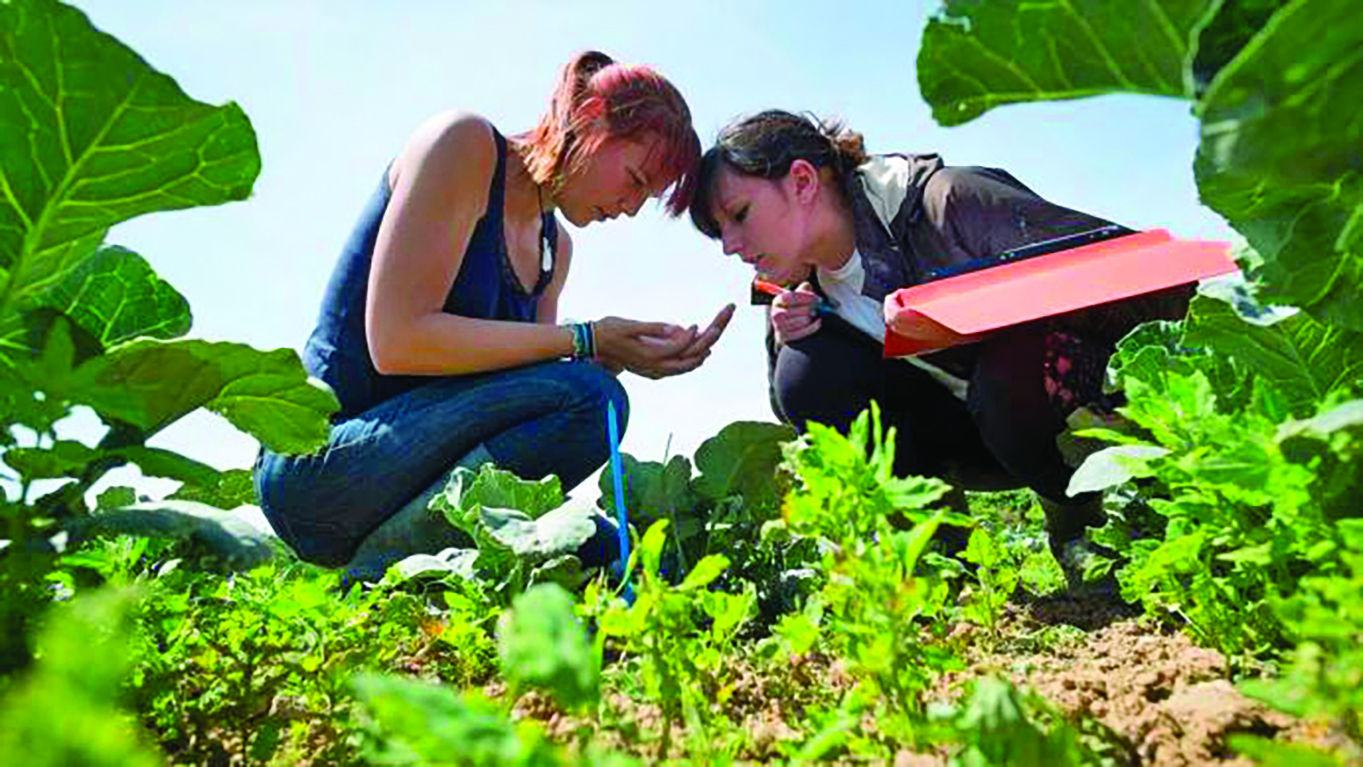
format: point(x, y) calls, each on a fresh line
point(805, 204)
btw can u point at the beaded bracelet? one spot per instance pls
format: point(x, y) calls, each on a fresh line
point(584, 340)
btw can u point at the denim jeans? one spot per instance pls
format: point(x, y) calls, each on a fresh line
point(537, 420)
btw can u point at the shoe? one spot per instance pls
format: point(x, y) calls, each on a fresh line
point(1089, 567)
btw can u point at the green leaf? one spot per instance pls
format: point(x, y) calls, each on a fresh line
point(554, 534)
point(1224, 32)
point(421, 723)
point(1272, 753)
point(116, 296)
point(544, 646)
point(64, 713)
point(460, 562)
point(158, 462)
point(90, 136)
point(655, 491)
point(232, 541)
point(1346, 416)
point(1112, 466)
point(705, 572)
point(62, 459)
point(149, 384)
point(982, 549)
point(979, 55)
point(520, 528)
point(742, 459)
point(999, 730)
point(651, 547)
point(1304, 360)
point(468, 493)
point(231, 488)
point(1261, 555)
point(114, 497)
point(1280, 158)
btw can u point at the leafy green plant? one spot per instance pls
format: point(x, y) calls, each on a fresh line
point(1243, 415)
point(73, 689)
point(1001, 725)
point(1325, 675)
point(680, 633)
point(1252, 487)
point(875, 594)
point(417, 723)
point(523, 531)
point(996, 578)
point(264, 657)
point(94, 136)
point(543, 646)
point(731, 507)
point(1277, 157)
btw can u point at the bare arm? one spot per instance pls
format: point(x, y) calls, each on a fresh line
point(440, 190)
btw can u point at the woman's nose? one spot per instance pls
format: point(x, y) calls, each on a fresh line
point(730, 242)
point(636, 202)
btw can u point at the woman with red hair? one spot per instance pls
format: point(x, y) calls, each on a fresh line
point(439, 330)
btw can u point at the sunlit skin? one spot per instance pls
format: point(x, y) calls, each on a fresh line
point(440, 186)
point(620, 176)
point(784, 228)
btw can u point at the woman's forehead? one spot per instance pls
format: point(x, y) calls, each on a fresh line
point(730, 186)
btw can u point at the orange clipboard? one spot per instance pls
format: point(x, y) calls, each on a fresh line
point(955, 310)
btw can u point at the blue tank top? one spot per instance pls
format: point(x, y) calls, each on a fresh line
point(486, 287)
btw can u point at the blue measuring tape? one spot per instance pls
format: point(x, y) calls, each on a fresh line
point(618, 474)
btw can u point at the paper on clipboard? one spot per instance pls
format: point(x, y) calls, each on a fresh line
point(956, 309)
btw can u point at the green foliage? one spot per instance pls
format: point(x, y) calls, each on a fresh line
point(874, 595)
point(1250, 495)
point(741, 460)
point(523, 532)
point(847, 487)
point(996, 577)
point(998, 725)
point(543, 646)
point(721, 510)
point(1280, 158)
point(415, 723)
point(680, 633)
point(216, 650)
point(1272, 82)
point(1325, 676)
point(71, 690)
point(91, 136)
point(1304, 361)
point(1248, 492)
point(977, 56)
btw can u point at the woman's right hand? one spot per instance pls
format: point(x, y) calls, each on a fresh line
point(656, 349)
point(793, 314)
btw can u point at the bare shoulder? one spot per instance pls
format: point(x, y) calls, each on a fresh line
point(455, 146)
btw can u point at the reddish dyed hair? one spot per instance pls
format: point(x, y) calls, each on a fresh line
point(634, 100)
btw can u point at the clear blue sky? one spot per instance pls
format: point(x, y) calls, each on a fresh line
point(334, 86)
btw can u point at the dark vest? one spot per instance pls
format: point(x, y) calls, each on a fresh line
point(486, 287)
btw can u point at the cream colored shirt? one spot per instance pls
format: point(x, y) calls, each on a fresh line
point(866, 314)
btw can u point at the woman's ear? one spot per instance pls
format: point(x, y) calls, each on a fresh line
point(804, 181)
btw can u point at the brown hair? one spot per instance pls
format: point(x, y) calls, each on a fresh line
point(635, 100)
point(764, 145)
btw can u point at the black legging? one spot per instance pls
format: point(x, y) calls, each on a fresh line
point(1002, 436)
